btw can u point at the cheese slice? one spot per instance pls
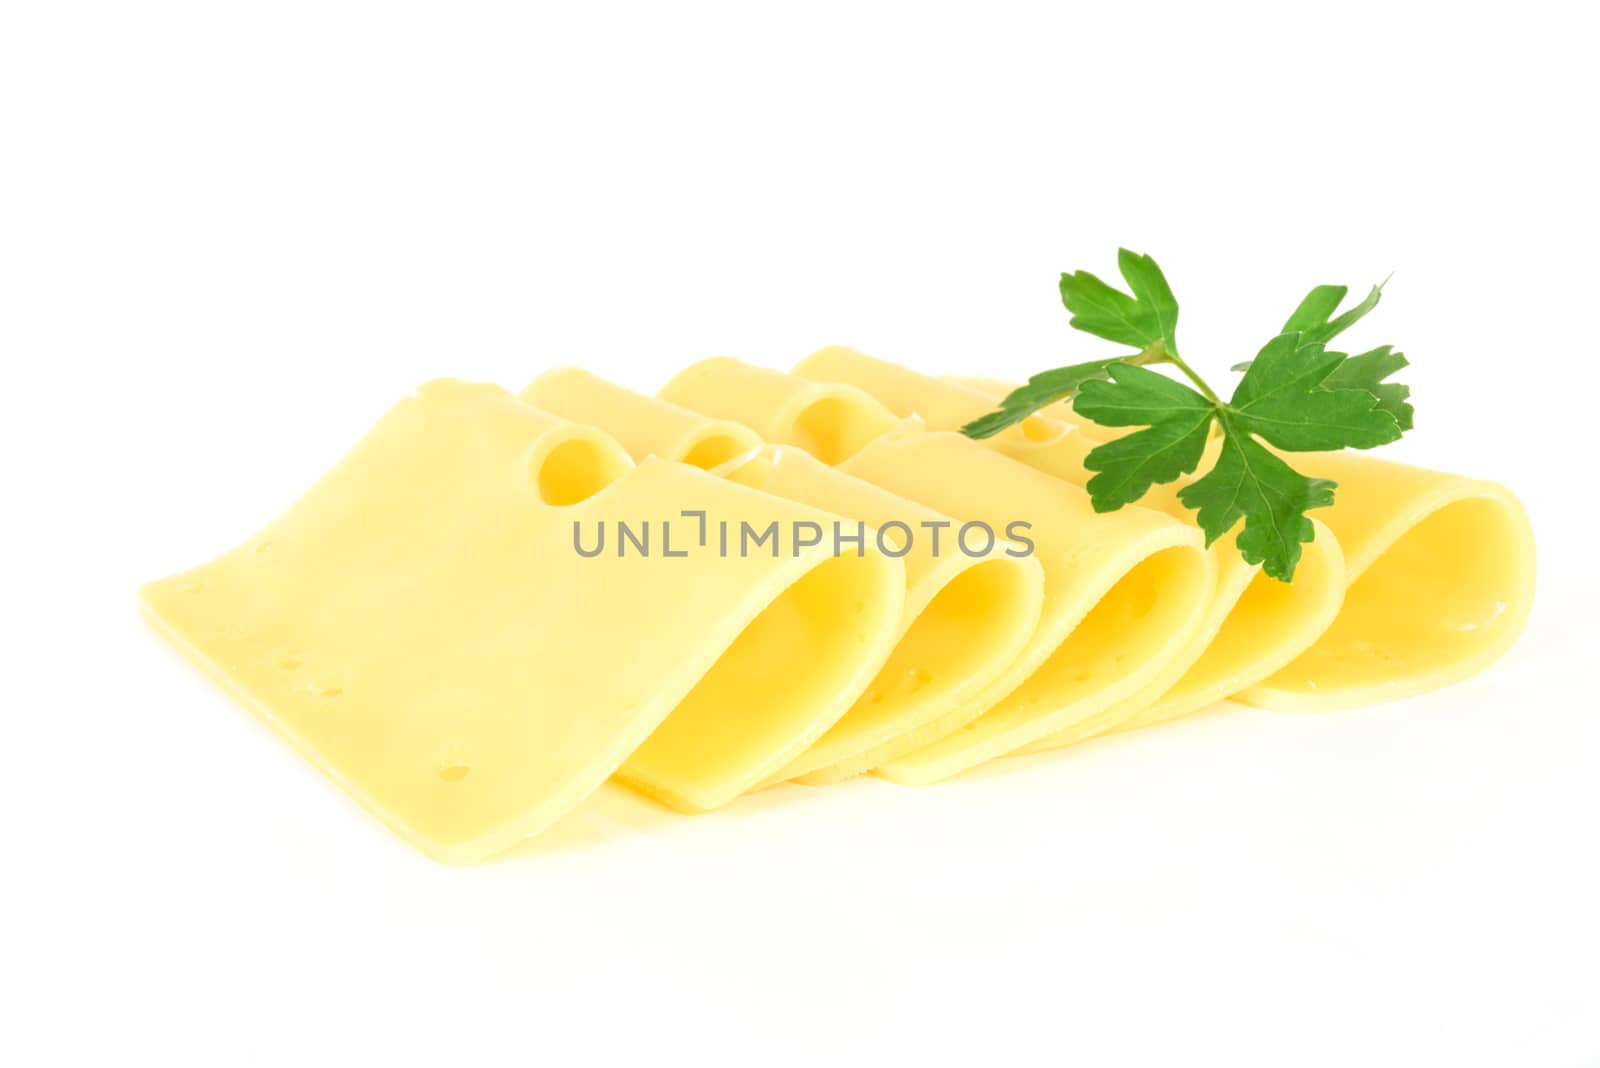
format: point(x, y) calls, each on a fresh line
point(1441, 583)
point(967, 620)
point(434, 627)
point(967, 616)
point(421, 627)
point(1125, 594)
point(1440, 575)
point(645, 426)
point(829, 420)
point(1254, 625)
point(1439, 570)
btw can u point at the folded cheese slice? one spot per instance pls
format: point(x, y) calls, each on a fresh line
point(645, 426)
point(1254, 625)
point(1441, 583)
point(1440, 574)
point(967, 615)
point(1439, 571)
point(829, 420)
point(421, 626)
point(1125, 594)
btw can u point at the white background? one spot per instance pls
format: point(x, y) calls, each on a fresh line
point(231, 235)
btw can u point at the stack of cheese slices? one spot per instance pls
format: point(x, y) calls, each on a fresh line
point(433, 626)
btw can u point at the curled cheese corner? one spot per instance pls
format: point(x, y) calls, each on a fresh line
point(421, 628)
point(1124, 594)
point(966, 617)
point(829, 420)
point(1441, 571)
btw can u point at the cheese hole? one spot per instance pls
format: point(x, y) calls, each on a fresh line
point(1038, 428)
point(717, 448)
point(577, 469)
point(834, 429)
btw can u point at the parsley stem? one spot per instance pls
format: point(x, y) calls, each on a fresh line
point(1199, 383)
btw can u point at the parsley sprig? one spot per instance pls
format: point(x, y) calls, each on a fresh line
point(1296, 396)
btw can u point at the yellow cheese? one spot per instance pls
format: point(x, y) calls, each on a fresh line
point(1041, 441)
point(1125, 594)
point(1441, 583)
point(1439, 573)
point(421, 626)
point(645, 426)
point(830, 421)
point(967, 617)
point(433, 627)
point(1254, 625)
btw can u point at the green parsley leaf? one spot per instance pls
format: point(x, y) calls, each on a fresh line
point(1176, 421)
point(1313, 320)
point(1041, 390)
point(1148, 315)
point(1367, 372)
point(1284, 398)
point(1296, 396)
point(1272, 498)
point(1047, 387)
